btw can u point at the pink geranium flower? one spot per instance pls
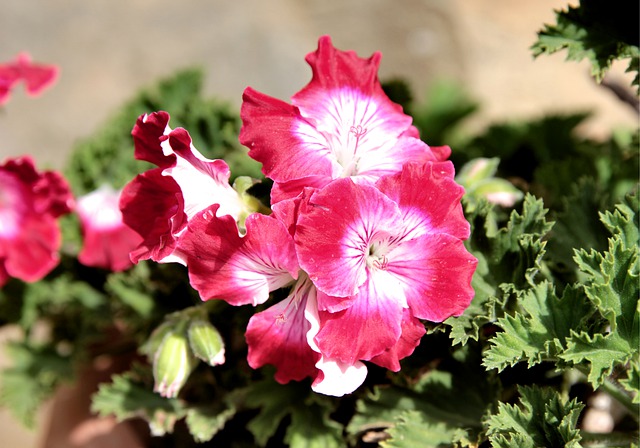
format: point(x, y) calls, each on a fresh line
point(107, 240)
point(383, 257)
point(37, 77)
point(340, 125)
point(159, 203)
point(30, 203)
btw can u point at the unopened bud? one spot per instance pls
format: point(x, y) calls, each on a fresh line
point(172, 364)
point(477, 178)
point(206, 342)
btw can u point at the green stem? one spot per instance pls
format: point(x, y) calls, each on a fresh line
point(623, 398)
point(616, 392)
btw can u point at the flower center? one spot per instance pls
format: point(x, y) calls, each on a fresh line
point(377, 257)
point(350, 159)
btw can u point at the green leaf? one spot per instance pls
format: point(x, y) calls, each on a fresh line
point(543, 419)
point(447, 105)
point(127, 289)
point(310, 422)
point(205, 422)
point(411, 429)
point(632, 382)
point(311, 426)
point(612, 287)
point(541, 331)
point(452, 402)
point(128, 396)
point(596, 31)
point(577, 225)
point(33, 377)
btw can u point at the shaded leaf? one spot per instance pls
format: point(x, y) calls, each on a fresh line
point(542, 419)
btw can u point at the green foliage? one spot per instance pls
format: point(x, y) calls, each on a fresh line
point(543, 419)
point(540, 332)
point(612, 287)
point(447, 106)
point(35, 374)
point(128, 395)
point(205, 422)
point(310, 423)
point(449, 403)
point(597, 31)
point(107, 156)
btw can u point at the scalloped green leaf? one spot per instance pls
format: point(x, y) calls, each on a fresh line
point(33, 377)
point(126, 397)
point(310, 423)
point(451, 402)
point(595, 31)
point(311, 426)
point(411, 429)
point(205, 422)
point(509, 259)
point(632, 382)
point(612, 285)
point(542, 419)
point(541, 331)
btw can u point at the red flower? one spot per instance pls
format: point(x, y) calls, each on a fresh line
point(107, 240)
point(37, 77)
point(30, 202)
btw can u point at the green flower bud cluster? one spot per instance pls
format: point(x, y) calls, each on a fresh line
point(176, 346)
point(477, 178)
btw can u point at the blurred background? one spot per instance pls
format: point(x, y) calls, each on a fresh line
point(108, 49)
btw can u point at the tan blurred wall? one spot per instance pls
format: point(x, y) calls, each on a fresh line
point(109, 48)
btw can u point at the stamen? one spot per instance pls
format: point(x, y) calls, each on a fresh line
point(381, 263)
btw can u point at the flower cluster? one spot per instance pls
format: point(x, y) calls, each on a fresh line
point(366, 227)
point(31, 202)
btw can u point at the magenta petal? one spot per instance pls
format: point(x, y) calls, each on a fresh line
point(334, 233)
point(278, 336)
point(30, 202)
point(368, 327)
point(412, 332)
point(434, 206)
point(282, 191)
point(240, 270)
point(267, 131)
point(333, 68)
point(107, 240)
point(37, 77)
point(153, 206)
point(147, 134)
point(435, 274)
point(33, 252)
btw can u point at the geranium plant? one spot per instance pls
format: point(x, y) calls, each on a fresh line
point(327, 271)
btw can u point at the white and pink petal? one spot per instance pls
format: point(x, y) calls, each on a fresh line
point(428, 199)
point(278, 336)
point(107, 241)
point(434, 272)
point(238, 269)
point(335, 230)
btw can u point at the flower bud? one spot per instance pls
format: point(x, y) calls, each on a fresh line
point(206, 342)
point(172, 364)
point(477, 178)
